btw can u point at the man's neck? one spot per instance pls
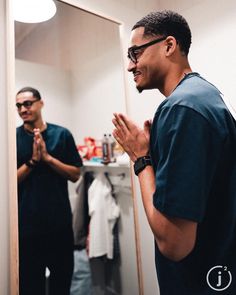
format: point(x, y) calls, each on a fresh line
point(173, 79)
point(41, 125)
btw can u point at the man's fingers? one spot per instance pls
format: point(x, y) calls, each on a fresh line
point(119, 128)
point(117, 137)
point(129, 124)
point(147, 126)
point(121, 123)
point(124, 145)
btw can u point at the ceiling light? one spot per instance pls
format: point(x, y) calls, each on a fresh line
point(33, 11)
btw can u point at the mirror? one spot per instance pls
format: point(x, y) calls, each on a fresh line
point(75, 61)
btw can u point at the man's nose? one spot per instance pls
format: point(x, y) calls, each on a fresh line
point(22, 109)
point(131, 66)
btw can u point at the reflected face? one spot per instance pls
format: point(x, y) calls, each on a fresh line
point(28, 107)
point(147, 69)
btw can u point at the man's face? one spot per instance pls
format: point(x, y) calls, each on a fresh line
point(148, 68)
point(28, 107)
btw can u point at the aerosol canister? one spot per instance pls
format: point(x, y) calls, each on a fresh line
point(105, 150)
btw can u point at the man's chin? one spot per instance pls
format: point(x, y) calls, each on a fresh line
point(27, 121)
point(139, 88)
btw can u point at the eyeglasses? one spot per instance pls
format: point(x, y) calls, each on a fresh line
point(135, 51)
point(27, 104)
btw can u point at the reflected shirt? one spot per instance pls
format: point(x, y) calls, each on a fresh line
point(43, 202)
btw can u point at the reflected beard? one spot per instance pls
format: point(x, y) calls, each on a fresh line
point(27, 122)
point(140, 89)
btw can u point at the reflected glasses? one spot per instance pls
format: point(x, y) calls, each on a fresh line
point(27, 104)
point(135, 51)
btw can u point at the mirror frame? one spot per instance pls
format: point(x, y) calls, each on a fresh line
point(14, 263)
point(13, 281)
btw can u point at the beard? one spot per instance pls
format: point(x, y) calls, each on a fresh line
point(27, 122)
point(146, 86)
point(140, 89)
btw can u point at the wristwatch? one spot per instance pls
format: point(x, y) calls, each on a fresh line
point(31, 163)
point(141, 163)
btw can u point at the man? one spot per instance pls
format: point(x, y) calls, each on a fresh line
point(46, 158)
point(185, 162)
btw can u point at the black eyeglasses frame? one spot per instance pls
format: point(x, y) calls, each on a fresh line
point(27, 104)
point(131, 50)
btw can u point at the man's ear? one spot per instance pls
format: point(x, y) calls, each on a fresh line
point(171, 44)
point(42, 103)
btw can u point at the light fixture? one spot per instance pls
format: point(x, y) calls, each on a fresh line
point(33, 11)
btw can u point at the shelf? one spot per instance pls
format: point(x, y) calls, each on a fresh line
point(118, 174)
point(110, 165)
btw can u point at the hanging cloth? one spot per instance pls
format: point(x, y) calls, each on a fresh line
point(104, 212)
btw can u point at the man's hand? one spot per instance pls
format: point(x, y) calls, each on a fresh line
point(41, 146)
point(36, 156)
point(134, 140)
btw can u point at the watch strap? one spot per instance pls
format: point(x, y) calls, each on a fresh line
point(142, 163)
point(31, 163)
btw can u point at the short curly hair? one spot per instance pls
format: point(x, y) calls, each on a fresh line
point(167, 23)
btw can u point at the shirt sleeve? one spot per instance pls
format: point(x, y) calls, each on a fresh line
point(187, 149)
point(72, 154)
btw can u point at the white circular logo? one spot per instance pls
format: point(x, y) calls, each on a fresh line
point(219, 278)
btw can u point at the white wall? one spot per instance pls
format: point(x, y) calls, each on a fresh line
point(98, 81)
point(54, 85)
point(212, 52)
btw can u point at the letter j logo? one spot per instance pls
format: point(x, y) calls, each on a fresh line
point(219, 278)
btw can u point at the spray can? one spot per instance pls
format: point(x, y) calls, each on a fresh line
point(105, 150)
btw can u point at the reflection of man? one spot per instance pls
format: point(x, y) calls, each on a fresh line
point(185, 163)
point(46, 158)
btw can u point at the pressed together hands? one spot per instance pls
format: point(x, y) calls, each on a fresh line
point(40, 153)
point(133, 139)
point(39, 147)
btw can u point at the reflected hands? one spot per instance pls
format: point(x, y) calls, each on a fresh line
point(36, 156)
point(133, 139)
point(40, 146)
